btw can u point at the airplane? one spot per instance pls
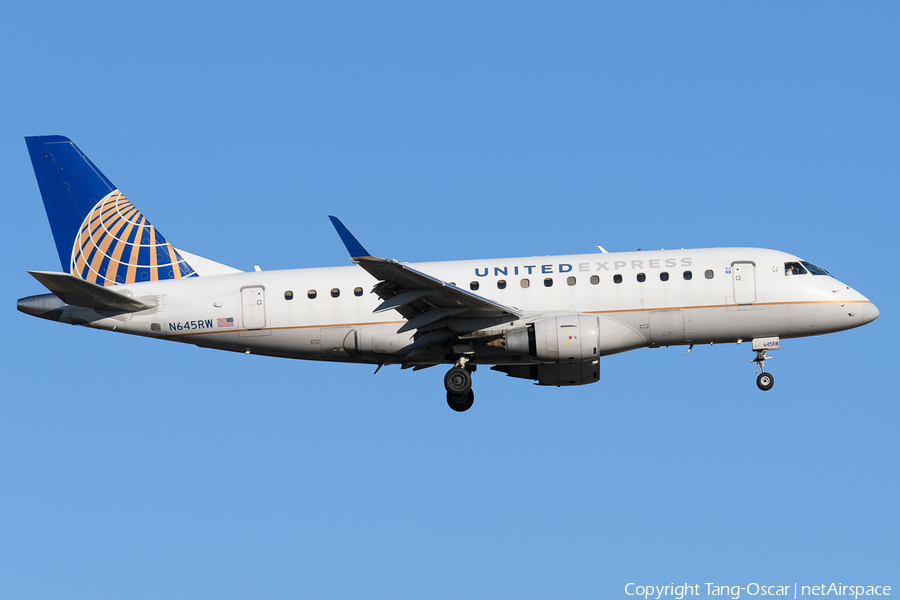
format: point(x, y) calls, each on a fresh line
point(546, 319)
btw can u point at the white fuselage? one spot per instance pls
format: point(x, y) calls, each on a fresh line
point(643, 299)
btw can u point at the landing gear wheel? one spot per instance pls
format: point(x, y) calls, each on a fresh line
point(461, 402)
point(765, 381)
point(458, 381)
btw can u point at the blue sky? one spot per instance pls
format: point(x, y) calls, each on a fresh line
point(134, 468)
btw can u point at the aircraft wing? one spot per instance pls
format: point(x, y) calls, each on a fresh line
point(425, 301)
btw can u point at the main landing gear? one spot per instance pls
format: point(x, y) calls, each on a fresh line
point(764, 381)
point(458, 382)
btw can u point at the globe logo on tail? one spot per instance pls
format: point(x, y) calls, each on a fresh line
point(117, 245)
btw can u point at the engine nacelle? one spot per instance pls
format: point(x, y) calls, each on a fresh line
point(556, 339)
point(562, 373)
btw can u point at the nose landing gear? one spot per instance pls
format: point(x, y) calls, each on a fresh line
point(458, 383)
point(764, 381)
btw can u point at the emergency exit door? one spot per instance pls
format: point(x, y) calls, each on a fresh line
point(743, 275)
point(253, 300)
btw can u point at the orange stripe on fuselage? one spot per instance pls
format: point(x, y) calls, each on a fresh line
point(637, 310)
point(232, 330)
point(593, 312)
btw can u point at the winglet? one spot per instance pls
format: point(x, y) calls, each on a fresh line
point(353, 246)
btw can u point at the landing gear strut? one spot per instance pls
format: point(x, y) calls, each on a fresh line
point(458, 383)
point(764, 381)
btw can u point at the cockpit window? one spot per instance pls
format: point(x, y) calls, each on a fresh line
point(794, 268)
point(814, 269)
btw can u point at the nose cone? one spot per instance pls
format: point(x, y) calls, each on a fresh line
point(869, 311)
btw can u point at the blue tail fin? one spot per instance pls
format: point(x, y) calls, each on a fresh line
point(100, 236)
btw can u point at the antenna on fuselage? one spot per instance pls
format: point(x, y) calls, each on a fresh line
point(603, 250)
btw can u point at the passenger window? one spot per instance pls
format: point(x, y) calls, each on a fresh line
point(501, 284)
point(473, 286)
point(570, 281)
point(641, 277)
point(548, 282)
point(311, 294)
point(289, 295)
point(617, 279)
point(335, 292)
point(709, 274)
point(664, 276)
point(357, 291)
point(595, 279)
point(688, 275)
point(525, 283)
point(794, 268)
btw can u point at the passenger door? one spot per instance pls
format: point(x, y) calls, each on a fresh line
point(253, 301)
point(743, 274)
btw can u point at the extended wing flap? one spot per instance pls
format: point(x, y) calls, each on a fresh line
point(427, 302)
point(399, 300)
point(428, 317)
point(78, 292)
point(410, 285)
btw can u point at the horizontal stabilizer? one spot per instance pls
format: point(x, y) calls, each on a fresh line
point(75, 291)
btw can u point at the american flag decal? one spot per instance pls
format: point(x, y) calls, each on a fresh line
point(229, 322)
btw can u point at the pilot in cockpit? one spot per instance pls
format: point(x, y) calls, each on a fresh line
point(792, 268)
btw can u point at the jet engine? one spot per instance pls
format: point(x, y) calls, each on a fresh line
point(556, 339)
